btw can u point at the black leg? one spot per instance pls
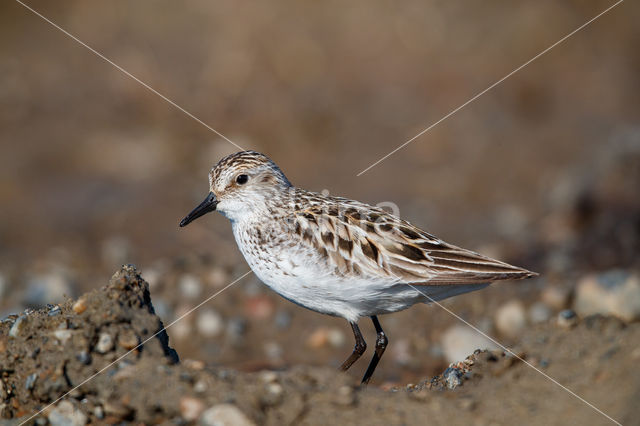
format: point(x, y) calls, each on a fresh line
point(381, 344)
point(358, 350)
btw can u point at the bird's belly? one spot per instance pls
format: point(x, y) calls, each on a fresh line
point(326, 292)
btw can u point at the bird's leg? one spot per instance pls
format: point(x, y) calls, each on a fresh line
point(358, 350)
point(381, 344)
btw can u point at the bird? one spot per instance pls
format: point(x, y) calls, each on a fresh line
point(338, 256)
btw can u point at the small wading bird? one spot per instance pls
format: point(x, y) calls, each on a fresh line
point(338, 256)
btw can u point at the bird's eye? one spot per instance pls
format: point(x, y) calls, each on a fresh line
point(242, 179)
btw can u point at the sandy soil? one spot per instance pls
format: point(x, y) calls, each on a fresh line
point(47, 353)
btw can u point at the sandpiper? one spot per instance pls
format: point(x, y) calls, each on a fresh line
point(338, 256)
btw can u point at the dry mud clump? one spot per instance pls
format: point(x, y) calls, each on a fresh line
point(46, 353)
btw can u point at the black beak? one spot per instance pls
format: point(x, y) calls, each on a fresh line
point(208, 205)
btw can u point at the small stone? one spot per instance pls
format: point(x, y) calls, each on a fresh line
point(282, 319)
point(194, 364)
point(259, 307)
point(182, 329)
point(269, 376)
point(225, 415)
point(117, 409)
point(62, 335)
point(567, 318)
point(217, 277)
point(80, 306)
point(511, 318)
point(65, 414)
point(460, 341)
point(84, 357)
point(539, 312)
point(98, 412)
point(615, 292)
point(318, 338)
point(237, 328)
point(128, 339)
point(209, 323)
point(345, 396)
point(336, 337)
point(191, 408)
point(190, 286)
point(273, 351)
point(125, 371)
point(17, 326)
point(48, 288)
point(401, 351)
point(105, 343)
point(273, 394)
point(200, 386)
point(452, 377)
point(54, 311)
point(30, 383)
point(555, 297)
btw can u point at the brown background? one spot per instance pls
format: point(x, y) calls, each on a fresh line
point(95, 170)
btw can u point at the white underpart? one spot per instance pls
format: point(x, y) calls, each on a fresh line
point(299, 274)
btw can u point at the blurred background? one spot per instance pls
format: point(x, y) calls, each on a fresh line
point(542, 171)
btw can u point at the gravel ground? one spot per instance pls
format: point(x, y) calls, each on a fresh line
point(48, 352)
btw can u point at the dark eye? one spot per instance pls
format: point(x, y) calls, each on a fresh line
point(242, 179)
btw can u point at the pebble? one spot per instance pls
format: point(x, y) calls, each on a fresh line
point(452, 377)
point(128, 339)
point(190, 286)
point(194, 364)
point(460, 341)
point(273, 394)
point(268, 376)
point(105, 343)
point(17, 326)
point(615, 292)
point(98, 412)
point(567, 318)
point(49, 288)
point(54, 311)
point(225, 415)
point(62, 335)
point(555, 297)
point(84, 357)
point(273, 351)
point(511, 318)
point(80, 306)
point(237, 328)
point(282, 319)
point(259, 307)
point(200, 386)
point(217, 277)
point(345, 396)
point(30, 383)
point(181, 329)
point(539, 312)
point(336, 337)
point(65, 414)
point(401, 351)
point(209, 323)
point(191, 408)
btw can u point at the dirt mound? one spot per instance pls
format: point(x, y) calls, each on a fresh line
point(46, 353)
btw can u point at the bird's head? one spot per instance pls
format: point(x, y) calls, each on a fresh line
point(240, 184)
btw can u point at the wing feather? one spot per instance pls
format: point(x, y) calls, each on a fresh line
point(369, 242)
